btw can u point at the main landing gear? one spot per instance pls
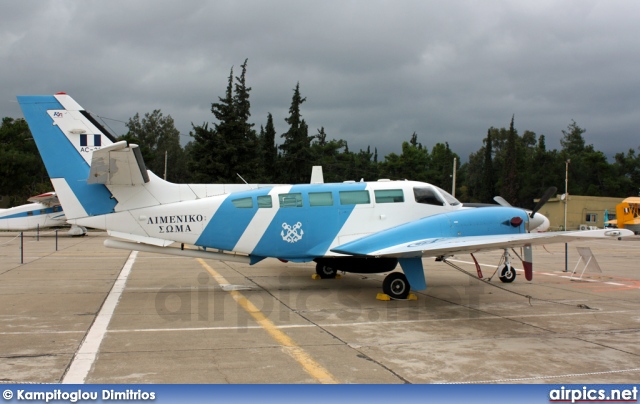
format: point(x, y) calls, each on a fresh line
point(396, 286)
point(325, 272)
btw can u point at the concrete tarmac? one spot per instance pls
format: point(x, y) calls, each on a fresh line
point(76, 316)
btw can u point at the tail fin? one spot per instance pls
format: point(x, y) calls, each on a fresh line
point(624, 214)
point(66, 136)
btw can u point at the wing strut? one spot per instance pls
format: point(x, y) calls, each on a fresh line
point(412, 268)
point(527, 261)
point(477, 266)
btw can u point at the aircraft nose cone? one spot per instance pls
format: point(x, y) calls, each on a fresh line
point(539, 223)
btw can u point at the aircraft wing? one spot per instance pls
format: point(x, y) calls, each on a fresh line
point(446, 246)
point(48, 198)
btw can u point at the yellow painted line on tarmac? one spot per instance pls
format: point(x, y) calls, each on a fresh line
point(313, 368)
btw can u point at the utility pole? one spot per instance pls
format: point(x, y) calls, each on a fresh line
point(566, 202)
point(165, 165)
point(453, 186)
point(566, 191)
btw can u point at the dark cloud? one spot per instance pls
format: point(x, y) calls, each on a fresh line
point(373, 72)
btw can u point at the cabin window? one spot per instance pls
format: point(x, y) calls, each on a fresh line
point(389, 195)
point(83, 140)
point(43, 211)
point(29, 213)
point(97, 140)
point(320, 199)
point(264, 201)
point(354, 197)
point(293, 200)
point(243, 202)
point(427, 196)
point(591, 218)
point(56, 208)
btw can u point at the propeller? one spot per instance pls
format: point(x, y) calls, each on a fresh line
point(540, 219)
point(551, 191)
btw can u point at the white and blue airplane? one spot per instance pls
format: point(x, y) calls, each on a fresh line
point(362, 227)
point(43, 211)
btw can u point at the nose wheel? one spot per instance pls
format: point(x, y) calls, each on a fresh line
point(507, 274)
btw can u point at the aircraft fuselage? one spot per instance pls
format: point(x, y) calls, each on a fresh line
point(290, 222)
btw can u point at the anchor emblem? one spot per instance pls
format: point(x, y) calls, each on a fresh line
point(292, 234)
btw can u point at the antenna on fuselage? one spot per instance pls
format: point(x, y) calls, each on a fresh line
point(243, 180)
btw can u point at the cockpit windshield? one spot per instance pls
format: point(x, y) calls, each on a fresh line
point(429, 196)
point(451, 200)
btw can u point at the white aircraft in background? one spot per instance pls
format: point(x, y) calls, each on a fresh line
point(362, 227)
point(44, 211)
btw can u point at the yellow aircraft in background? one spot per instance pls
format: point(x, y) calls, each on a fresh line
point(627, 215)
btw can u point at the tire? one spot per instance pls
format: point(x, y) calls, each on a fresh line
point(396, 285)
point(325, 272)
point(507, 274)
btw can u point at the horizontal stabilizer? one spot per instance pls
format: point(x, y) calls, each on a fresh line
point(49, 199)
point(118, 164)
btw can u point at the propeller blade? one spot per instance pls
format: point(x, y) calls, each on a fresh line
point(501, 201)
point(547, 195)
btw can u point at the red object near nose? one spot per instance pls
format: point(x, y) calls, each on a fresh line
point(516, 221)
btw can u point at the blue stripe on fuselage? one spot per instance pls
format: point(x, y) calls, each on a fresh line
point(318, 225)
point(34, 212)
point(61, 158)
point(229, 222)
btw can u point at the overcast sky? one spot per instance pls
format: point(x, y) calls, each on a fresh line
point(373, 72)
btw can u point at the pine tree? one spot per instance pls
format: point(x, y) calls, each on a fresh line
point(488, 182)
point(296, 149)
point(510, 184)
point(268, 151)
point(231, 146)
point(246, 138)
point(203, 161)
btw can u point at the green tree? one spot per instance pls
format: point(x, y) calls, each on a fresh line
point(296, 159)
point(626, 171)
point(574, 149)
point(220, 153)
point(156, 134)
point(22, 173)
point(203, 160)
point(268, 151)
point(412, 164)
point(510, 182)
point(487, 190)
point(441, 166)
point(245, 136)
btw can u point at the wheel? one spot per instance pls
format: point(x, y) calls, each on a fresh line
point(325, 272)
point(507, 274)
point(396, 285)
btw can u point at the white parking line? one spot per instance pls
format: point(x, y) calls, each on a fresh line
point(86, 354)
